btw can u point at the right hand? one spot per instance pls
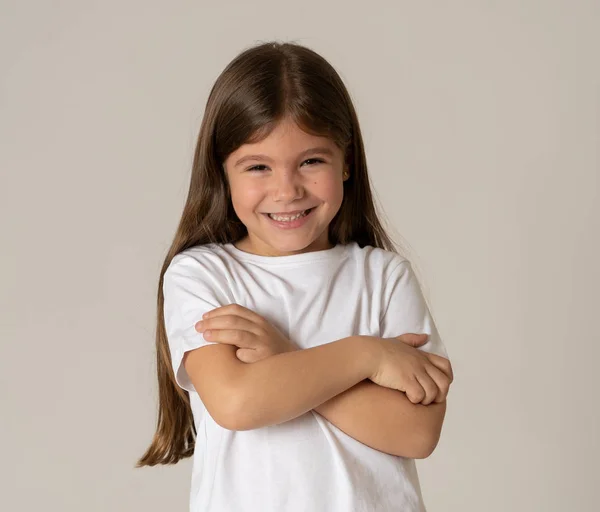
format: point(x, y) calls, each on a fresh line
point(424, 377)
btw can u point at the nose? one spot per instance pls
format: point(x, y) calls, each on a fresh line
point(287, 187)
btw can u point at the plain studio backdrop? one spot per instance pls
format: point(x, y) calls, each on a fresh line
point(482, 127)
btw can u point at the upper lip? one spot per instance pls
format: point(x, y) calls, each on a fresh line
point(288, 213)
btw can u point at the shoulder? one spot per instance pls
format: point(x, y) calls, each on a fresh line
point(198, 272)
point(199, 264)
point(376, 259)
point(207, 257)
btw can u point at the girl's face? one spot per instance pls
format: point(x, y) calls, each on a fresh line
point(286, 173)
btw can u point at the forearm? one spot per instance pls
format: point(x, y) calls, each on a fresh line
point(386, 420)
point(284, 386)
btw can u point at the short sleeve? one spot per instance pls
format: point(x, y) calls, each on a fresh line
point(405, 309)
point(190, 289)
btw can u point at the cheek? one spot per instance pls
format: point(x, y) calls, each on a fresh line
point(329, 189)
point(245, 197)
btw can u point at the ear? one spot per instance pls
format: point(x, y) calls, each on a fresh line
point(348, 161)
point(348, 157)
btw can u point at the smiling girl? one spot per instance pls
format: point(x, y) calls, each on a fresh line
point(297, 359)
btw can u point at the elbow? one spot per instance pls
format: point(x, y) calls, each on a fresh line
point(427, 436)
point(233, 421)
point(418, 446)
point(226, 420)
point(244, 415)
point(232, 413)
point(426, 446)
point(224, 409)
point(223, 416)
point(428, 440)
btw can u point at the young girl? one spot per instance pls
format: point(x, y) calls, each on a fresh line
point(297, 359)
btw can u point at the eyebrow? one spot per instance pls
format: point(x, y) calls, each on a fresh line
point(311, 151)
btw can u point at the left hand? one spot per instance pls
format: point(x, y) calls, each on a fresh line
point(254, 336)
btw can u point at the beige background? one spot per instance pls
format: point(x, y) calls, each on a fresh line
point(482, 128)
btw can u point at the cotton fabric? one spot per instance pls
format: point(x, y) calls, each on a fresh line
point(306, 464)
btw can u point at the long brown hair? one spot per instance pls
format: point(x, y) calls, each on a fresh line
point(261, 86)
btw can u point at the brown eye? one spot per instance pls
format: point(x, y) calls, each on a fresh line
point(316, 160)
point(257, 168)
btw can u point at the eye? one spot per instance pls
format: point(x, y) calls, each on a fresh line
point(255, 168)
point(261, 167)
point(317, 160)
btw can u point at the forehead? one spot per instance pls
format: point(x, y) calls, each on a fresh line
point(286, 141)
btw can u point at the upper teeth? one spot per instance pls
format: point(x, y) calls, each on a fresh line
point(286, 218)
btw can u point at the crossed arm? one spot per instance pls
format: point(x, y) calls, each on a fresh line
point(331, 379)
point(386, 420)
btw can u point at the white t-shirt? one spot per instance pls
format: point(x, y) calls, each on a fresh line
point(306, 464)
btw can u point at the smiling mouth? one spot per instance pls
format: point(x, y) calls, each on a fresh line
point(291, 215)
point(290, 220)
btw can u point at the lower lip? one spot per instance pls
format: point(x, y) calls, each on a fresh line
point(292, 224)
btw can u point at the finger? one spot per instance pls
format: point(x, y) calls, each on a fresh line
point(234, 309)
point(442, 363)
point(442, 381)
point(228, 322)
point(415, 392)
point(430, 387)
point(247, 355)
point(412, 339)
point(241, 339)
